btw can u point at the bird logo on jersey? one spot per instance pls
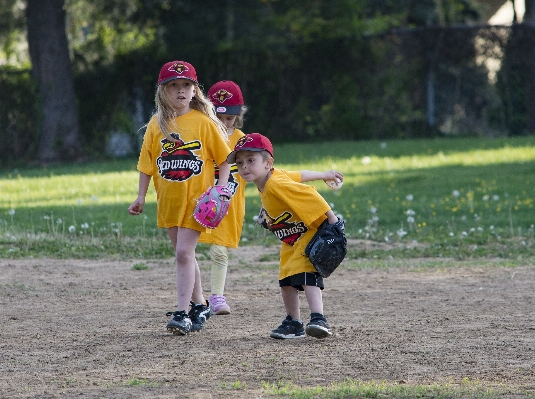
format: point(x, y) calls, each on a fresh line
point(177, 161)
point(179, 68)
point(287, 232)
point(222, 95)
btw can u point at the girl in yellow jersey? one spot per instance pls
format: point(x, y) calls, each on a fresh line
point(230, 109)
point(184, 138)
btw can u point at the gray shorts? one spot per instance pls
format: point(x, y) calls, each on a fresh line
point(298, 280)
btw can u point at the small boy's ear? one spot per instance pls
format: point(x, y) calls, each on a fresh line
point(269, 163)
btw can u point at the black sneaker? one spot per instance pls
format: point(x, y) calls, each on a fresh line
point(198, 315)
point(318, 326)
point(180, 324)
point(289, 328)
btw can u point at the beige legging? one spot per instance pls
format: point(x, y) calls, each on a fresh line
point(219, 256)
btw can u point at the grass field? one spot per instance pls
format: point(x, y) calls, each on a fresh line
point(455, 197)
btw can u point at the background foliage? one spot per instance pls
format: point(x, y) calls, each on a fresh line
point(310, 70)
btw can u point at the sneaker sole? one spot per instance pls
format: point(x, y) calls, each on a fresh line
point(317, 332)
point(177, 331)
point(221, 312)
point(281, 336)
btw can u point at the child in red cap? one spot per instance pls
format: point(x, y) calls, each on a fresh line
point(293, 212)
point(183, 139)
point(230, 109)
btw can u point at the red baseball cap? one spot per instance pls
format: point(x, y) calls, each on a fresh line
point(226, 97)
point(177, 70)
point(250, 142)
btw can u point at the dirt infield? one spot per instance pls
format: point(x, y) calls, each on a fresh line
point(91, 329)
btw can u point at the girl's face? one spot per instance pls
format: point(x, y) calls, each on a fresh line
point(252, 166)
point(180, 92)
point(228, 120)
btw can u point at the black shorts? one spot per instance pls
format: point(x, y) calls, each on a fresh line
point(298, 280)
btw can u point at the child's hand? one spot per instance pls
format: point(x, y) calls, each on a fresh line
point(332, 175)
point(137, 206)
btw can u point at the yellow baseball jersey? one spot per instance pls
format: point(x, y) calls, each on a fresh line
point(228, 232)
point(181, 171)
point(293, 211)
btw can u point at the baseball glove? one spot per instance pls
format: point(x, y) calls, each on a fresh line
point(328, 248)
point(212, 206)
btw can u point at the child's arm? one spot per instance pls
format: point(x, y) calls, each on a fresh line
point(137, 206)
point(331, 217)
point(309, 175)
point(224, 172)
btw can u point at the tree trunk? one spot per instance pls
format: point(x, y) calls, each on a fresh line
point(529, 22)
point(51, 68)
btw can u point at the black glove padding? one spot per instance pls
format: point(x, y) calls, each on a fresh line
point(328, 248)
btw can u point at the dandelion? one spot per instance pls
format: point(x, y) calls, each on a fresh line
point(452, 233)
point(472, 230)
point(72, 229)
point(59, 221)
point(456, 193)
point(387, 239)
point(410, 219)
point(485, 198)
point(491, 227)
point(495, 197)
point(409, 197)
point(373, 209)
point(84, 226)
point(410, 212)
point(11, 212)
point(383, 145)
point(255, 218)
point(94, 198)
point(464, 233)
point(401, 233)
point(480, 228)
point(366, 160)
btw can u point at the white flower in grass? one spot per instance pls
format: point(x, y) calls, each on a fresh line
point(452, 233)
point(472, 230)
point(464, 233)
point(84, 225)
point(373, 209)
point(401, 233)
point(375, 219)
point(410, 219)
point(94, 198)
point(485, 198)
point(476, 217)
point(383, 145)
point(480, 228)
point(410, 212)
point(72, 229)
point(366, 160)
point(491, 227)
point(495, 197)
point(409, 197)
point(11, 212)
point(46, 217)
point(387, 239)
point(455, 193)
point(59, 221)
point(255, 218)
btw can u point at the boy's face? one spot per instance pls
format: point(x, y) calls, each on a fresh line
point(228, 120)
point(252, 167)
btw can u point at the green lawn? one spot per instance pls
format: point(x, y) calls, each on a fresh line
point(457, 197)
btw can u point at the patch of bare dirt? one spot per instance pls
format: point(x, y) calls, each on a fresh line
point(90, 329)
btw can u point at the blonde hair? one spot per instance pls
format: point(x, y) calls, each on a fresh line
point(238, 123)
point(165, 112)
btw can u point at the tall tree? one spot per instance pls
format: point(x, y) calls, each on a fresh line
point(51, 68)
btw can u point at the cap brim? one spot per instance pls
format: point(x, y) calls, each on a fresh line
point(231, 158)
point(228, 110)
point(177, 77)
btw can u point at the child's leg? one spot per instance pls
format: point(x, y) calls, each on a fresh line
point(197, 295)
point(314, 298)
point(219, 256)
point(290, 298)
point(184, 241)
